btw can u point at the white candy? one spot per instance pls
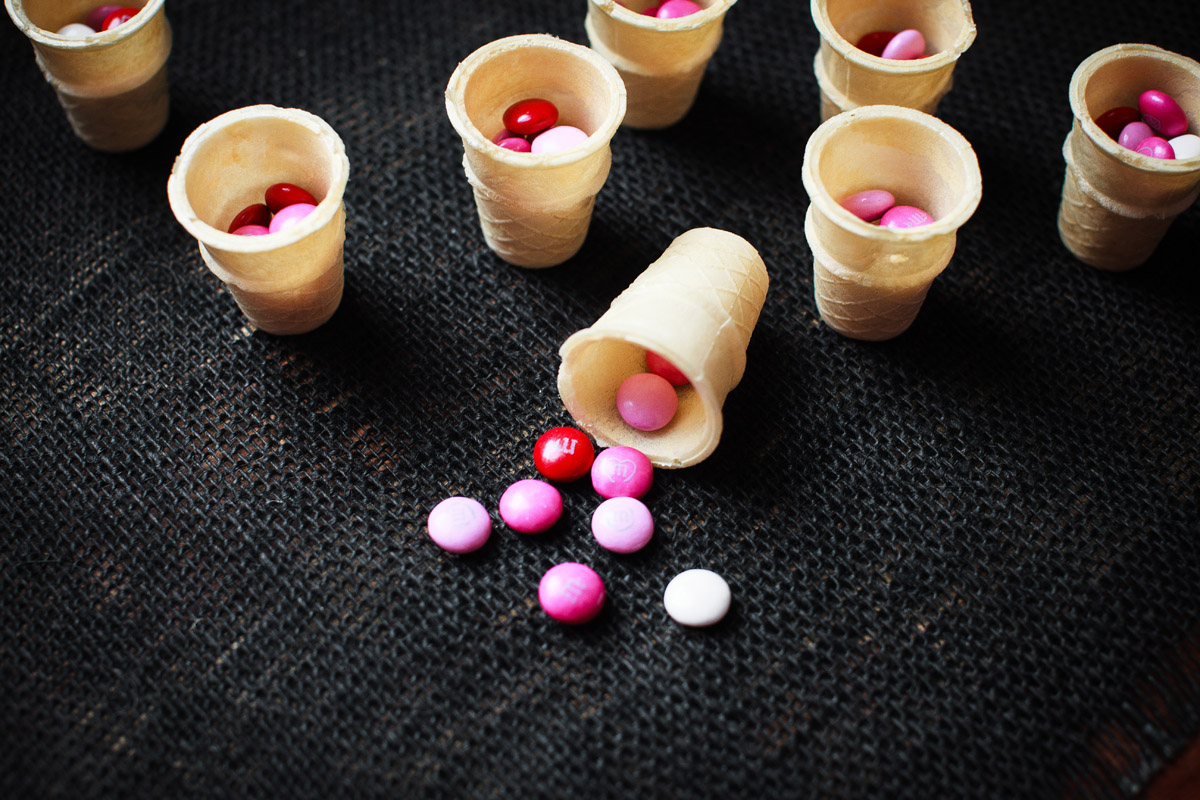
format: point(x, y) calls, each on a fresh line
point(75, 30)
point(1186, 145)
point(697, 598)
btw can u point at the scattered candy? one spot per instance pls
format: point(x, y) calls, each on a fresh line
point(290, 216)
point(869, 205)
point(697, 598)
point(251, 230)
point(557, 139)
point(899, 217)
point(874, 42)
point(571, 592)
point(563, 454)
point(459, 524)
point(530, 506)
point(905, 46)
point(95, 18)
point(1114, 120)
point(257, 214)
point(660, 366)
point(647, 401)
point(622, 472)
point(1185, 146)
point(76, 30)
point(1156, 147)
point(119, 17)
point(282, 195)
point(674, 9)
point(527, 117)
point(1134, 134)
point(515, 143)
point(1162, 113)
point(622, 524)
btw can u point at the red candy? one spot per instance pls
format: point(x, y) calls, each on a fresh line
point(527, 117)
point(563, 454)
point(874, 42)
point(665, 369)
point(1114, 120)
point(257, 214)
point(282, 195)
point(119, 17)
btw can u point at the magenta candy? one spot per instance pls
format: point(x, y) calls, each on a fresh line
point(905, 46)
point(530, 506)
point(869, 205)
point(252, 230)
point(1134, 134)
point(1156, 147)
point(647, 401)
point(622, 472)
point(459, 524)
point(557, 139)
point(571, 592)
point(1162, 113)
point(899, 217)
point(622, 524)
point(516, 144)
point(674, 9)
point(96, 17)
point(291, 216)
point(652, 11)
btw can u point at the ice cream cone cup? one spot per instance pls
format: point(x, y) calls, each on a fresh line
point(112, 84)
point(286, 282)
point(870, 281)
point(662, 61)
point(535, 209)
point(1117, 204)
point(696, 306)
point(849, 78)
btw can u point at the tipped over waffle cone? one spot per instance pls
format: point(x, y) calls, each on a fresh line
point(661, 61)
point(871, 281)
point(849, 78)
point(535, 210)
point(112, 84)
point(1116, 203)
point(287, 282)
point(696, 306)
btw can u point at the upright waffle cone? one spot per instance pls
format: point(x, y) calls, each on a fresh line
point(113, 84)
point(661, 60)
point(288, 282)
point(535, 209)
point(1117, 204)
point(870, 281)
point(849, 78)
point(696, 306)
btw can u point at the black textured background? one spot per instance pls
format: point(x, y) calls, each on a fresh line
point(964, 562)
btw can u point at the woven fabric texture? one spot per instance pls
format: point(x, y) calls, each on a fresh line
point(964, 562)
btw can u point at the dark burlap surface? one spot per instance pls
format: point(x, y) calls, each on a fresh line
point(964, 562)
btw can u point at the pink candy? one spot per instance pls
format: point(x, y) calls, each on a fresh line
point(252, 230)
point(1134, 134)
point(516, 144)
point(459, 524)
point(869, 205)
point(622, 472)
point(622, 524)
point(1156, 147)
point(557, 139)
point(647, 401)
point(673, 9)
point(905, 46)
point(571, 592)
point(900, 217)
point(1162, 113)
point(290, 216)
point(530, 506)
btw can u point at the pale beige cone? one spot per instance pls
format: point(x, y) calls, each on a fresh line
point(870, 281)
point(1117, 204)
point(112, 84)
point(848, 78)
point(696, 306)
point(288, 282)
point(535, 209)
point(662, 61)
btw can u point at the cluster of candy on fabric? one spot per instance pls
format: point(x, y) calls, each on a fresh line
point(286, 204)
point(530, 127)
point(1157, 127)
point(99, 19)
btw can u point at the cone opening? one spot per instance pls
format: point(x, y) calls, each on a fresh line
point(48, 16)
point(228, 163)
point(919, 159)
point(947, 25)
point(630, 12)
point(586, 90)
point(1117, 75)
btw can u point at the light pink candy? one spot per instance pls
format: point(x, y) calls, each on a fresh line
point(674, 9)
point(252, 230)
point(530, 506)
point(898, 217)
point(1156, 147)
point(290, 216)
point(557, 139)
point(622, 524)
point(622, 472)
point(1134, 134)
point(905, 46)
point(869, 205)
point(459, 524)
point(647, 401)
point(1161, 112)
point(571, 592)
